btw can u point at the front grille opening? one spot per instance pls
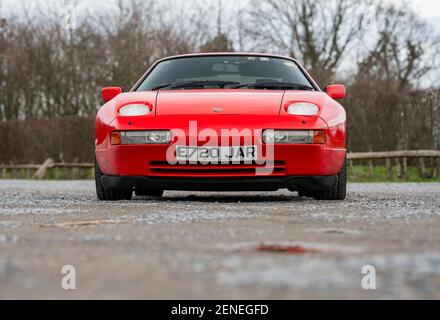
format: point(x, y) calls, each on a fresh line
point(159, 168)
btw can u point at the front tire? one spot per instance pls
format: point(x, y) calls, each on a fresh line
point(106, 194)
point(339, 192)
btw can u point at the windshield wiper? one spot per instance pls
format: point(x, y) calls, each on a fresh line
point(189, 84)
point(274, 85)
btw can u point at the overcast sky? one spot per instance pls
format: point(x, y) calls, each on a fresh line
point(429, 9)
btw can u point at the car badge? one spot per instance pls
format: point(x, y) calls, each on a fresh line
point(217, 109)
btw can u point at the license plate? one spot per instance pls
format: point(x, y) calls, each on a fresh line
point(216, 154)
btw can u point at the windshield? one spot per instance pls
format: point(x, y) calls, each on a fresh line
point(226, 72)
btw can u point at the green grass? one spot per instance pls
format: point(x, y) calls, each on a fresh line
point(360, 174)
point(52, 174)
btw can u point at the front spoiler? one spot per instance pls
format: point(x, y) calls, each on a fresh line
point(293, 183)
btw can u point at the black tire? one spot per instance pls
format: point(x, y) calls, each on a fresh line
point(339, 192)
point(105, 194)
point(149, 193)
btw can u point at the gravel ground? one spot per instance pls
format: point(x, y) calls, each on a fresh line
point(191, 245)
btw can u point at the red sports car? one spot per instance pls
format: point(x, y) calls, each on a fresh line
point(222, 122)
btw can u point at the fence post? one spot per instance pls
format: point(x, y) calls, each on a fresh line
point(41, 172)
point(370, 168)
point(437, 167)
point(399, 168)
point(404, 168)
point(422, 168)
point(350, 165)
point(389, 166)
point(433, 167)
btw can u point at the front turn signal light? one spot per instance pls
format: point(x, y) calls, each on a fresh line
point(115, 138)
point(319, 137)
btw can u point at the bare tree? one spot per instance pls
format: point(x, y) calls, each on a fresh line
point(317, 32)
point(219, 44)
point(404, 51)
point(406, 48)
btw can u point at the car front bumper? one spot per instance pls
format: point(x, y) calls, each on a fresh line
point(293, 183)
point(150, 161)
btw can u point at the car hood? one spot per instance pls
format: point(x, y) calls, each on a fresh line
point(186, 102)
point(221, 102)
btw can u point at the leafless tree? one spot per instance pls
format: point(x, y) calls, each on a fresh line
point(406, 48)
point(317, 32)
point(404, 51)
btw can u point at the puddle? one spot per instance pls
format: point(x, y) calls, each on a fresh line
point(286, 246)
point(296, 249)
point(335, 231)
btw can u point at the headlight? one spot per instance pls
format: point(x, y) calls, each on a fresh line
point(142, 137)
point(135, 109)
point(303, 109)
point(293, 136)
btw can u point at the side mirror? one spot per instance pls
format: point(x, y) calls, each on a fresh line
point(336, 91)
point(109, 93)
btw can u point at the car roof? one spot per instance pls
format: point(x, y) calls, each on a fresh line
point(207, 54)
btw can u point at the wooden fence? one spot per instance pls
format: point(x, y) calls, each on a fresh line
point(426, 160)
point(39, 171)
point(400, 160)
